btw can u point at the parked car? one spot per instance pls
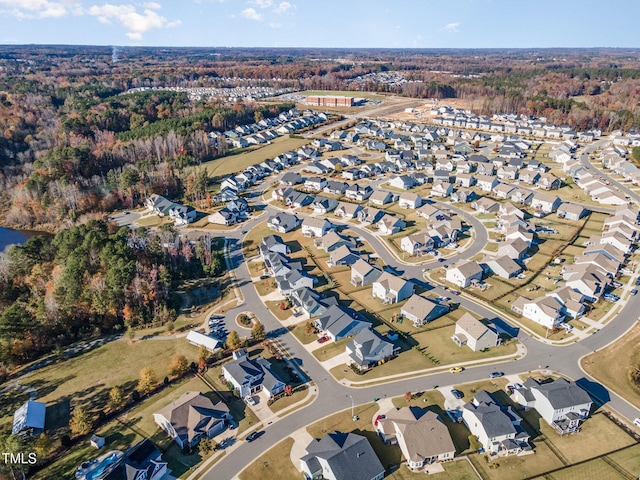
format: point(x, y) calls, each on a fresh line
point(456, 369)
point(251, 402)
point(457, 394)
point(496, 374)
point(323, 339)
point(634, 291)
point(253, 436)
point(264, 277)
point(636, 422)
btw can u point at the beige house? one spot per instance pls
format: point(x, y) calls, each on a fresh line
point(474, 334)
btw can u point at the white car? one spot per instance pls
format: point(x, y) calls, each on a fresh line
point(250, 401)
point(636, 422)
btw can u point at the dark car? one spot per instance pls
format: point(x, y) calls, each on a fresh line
point(457, 393)
point(634, 291)
point(496, 374)
point(264, 277)
point(254, 436)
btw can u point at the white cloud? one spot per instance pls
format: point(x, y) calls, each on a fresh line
point(262, 3)
point(136, 23)
point(39, 8)
point(283, 7)
point(152, 5)
point(251, 14)
point(275, 25)
point(452, 27)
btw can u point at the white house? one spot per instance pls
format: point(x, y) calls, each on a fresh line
point(474, 334)
point(315, 227)
point(391, 289)
point(464, 273)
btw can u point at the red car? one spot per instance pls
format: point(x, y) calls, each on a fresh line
point(323, 339)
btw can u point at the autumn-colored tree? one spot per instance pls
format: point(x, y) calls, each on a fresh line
point(407, 396)
point(202, 364)
point(233, 340)
point(116, 398)
point(179, 365)
point(258, 331)
point(80, 422)
point(288, 390)
point(308, 329)
point(147, 381)
point(203, 352)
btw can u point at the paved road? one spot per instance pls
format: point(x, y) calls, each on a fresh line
point(334, 396)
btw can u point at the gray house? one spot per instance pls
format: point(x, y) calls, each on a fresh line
point(363, 273)
point(341, 456)
point(191, 417)
point(367, 349)
point(250, 376)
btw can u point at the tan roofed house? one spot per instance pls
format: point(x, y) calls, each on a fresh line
point(474, 334)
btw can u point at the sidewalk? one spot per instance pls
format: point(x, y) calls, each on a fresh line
point(520, 352)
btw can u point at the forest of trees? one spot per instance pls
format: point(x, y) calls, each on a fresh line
point(92, 279)
point(73, 144)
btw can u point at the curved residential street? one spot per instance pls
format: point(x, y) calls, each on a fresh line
point(334, 396)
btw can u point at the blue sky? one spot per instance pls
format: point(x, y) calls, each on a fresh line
point(324, 23)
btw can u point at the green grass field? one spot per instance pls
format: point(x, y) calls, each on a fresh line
point(237, 162)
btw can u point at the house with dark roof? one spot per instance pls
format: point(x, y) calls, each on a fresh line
point(342, 256)
point(192, 416)
point(368, 349)
point(311, 302)
point(562, 403)
point(28, 420)
point(283, 222)
point(273, 243)
point(251, 376)
point(143, 461)
point(341, 456)
point(338, 323)
point(496, 427)
point(421, 434)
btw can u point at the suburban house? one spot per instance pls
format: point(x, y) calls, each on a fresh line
point(332, 240)
point(422, 436)
point(291, 178)
point(486, 183)
point(315, 227)
point(192, 416)
point(143, 461)
point(381, 197)
point(358, 193)
point(497, 428)
point(441, 189)
point(370, 215)
point(546, 311)
point(363, 273)
point(323, 205)
point(28, 420)
point(223, 216)
point(390, 225)
point(311, 302)
point(502, 266)
point(283, 222)
point(342, 256)
point(273, 243)
point(562, 403)
point(347, 210)
point(178, 213)
point(341, 456)
point(250, 376)
point(465, 272)
point(417, 243)
point(545, 203)
point(315, 184)
point(391, 289)
point(337, 323)
point(572, 301)
point(485, 205)
point(409, 200)
point(368, 349)
point(515, 249)
point(421, 310)
point(474, 334)
point(403, 182)
point(295, 278)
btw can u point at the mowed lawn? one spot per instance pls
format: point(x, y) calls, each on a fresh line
point(87, 379)
point(275, 464)
point(615, 375)
point(239, 161)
